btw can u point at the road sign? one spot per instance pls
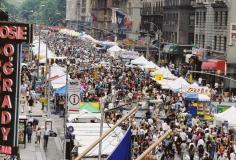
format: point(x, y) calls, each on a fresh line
point(73, 95)
point(74, 99)
point(70, 129)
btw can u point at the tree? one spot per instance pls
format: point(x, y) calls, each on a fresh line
point(47, 12)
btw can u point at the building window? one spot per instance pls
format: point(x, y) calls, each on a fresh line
point(204, 18)
point(216, 17)
point(130, 8)
point(200, 40)
point(203, 41)
point(191, 20)
point(197, 18)
point(225, 43)
point(215, 42)
point(226, 18)
point(221, 18)
point(200, 18)
point(220, 43)
point(196, 38)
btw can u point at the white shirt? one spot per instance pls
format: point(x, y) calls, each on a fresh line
point(183, 136)
point(46, 132)
point(232, 156)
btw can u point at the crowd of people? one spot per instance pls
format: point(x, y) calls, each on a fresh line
point(114, 84)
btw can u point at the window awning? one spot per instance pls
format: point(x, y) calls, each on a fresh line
point(218, 65)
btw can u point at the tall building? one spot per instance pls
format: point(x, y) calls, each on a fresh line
point(211, 26)
point(152, 11)
point(104, 13)
point(178, 22)
point(78, 14)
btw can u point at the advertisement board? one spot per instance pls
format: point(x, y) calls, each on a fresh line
point(11, 37)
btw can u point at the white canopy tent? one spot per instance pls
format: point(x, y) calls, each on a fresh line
point(114, 49)
point(178, 84)
point(42, 53)
point(88, 37)
point(84, 116)
point(151, 65)
point(140, 61)
point(228, 115)
point(87, 133)
point(203, 98)
point(60, 76)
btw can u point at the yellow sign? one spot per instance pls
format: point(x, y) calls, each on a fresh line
point(158, 77)
point(190, 78)
point(208, 117)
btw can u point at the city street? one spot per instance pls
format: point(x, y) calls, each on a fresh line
point(118, 79)
point(55, 147)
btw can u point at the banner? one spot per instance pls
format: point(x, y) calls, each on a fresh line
point(93, 107)
point(123, 150)
point(11, 37)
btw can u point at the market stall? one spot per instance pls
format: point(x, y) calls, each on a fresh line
point(228, 115)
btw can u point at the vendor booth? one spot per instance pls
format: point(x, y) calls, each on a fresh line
point(228, 115)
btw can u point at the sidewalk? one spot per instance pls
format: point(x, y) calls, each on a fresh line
point(36, 151)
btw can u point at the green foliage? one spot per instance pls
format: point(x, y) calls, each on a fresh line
point(47, 12)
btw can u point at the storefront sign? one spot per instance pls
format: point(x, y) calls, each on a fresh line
point(11, 37)
point(199, 90)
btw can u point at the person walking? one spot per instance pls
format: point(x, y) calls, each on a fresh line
point(38, 135)
point(45, 137)
point(29, 132)
point(31, 103)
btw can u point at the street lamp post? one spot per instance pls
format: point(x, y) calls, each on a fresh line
point(157, 33)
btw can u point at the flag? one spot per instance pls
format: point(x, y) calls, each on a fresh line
point(120, 19)
point(123, 150)
point(94, 18)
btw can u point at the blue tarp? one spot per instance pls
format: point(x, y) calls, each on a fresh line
point(61, 91)
point(191, 97)
point(123, 150)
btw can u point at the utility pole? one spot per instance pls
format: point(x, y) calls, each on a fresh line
point(148, 41)
point(159, 48)
point(38, 54)
point(101, 127)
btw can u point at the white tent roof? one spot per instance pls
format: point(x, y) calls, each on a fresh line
point(86, 36)
point(203, 98)
point(228, 115)
point(140, 61)
point(42, 53)
point(87, 133)
point(57, 71)
point(179, 83)
point(83, 114)
point(151, 65)
point(167, 73)
point(114, 49)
